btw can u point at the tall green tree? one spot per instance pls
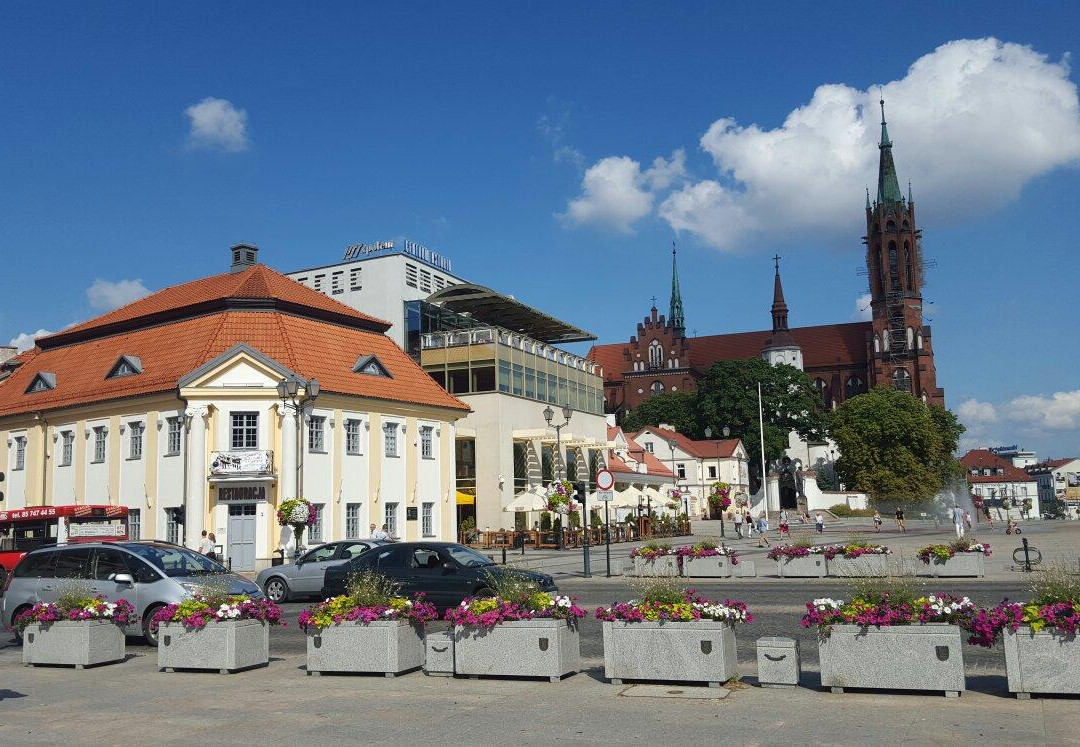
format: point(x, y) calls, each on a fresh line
point(893, 446)
point(675, 408)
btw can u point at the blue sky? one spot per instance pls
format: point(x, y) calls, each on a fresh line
point(523, 143)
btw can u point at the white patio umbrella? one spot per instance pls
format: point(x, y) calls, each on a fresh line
point(532, 499)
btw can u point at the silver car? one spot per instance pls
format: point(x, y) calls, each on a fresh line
point(147, 574)
point(304, 576)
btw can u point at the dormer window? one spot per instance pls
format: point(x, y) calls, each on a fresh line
point(126, 365)
point(372, 366)
point(43, 381)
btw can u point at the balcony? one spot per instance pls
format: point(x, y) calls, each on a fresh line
point(226, 466)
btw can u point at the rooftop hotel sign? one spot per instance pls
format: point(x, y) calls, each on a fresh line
point(419, 251)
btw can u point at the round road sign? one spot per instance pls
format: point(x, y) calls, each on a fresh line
point(604, 480)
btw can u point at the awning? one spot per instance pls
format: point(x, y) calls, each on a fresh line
point(465, 499)
point(533, 499)
point(491, 307)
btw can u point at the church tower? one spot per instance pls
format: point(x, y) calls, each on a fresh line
point(675, 312)
point(781, 346)
point(899, 348)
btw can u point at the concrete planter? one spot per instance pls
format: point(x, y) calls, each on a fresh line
point(714, 566)
point(665, 565)
point(522, 648)
point(902, 657)
point(74, 643)
point(1043, 662)
point(808, 566)
point(701, 651)
point(387, 647)
point(963, 564)
point(224, 645)
point(864, 565)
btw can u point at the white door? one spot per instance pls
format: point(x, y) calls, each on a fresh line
point(242, 536)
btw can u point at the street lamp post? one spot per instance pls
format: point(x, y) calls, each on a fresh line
point(560, 472)
point(291, 399)
point(708, 435)
point(675, 482)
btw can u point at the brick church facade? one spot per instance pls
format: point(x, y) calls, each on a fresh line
point(893, 349)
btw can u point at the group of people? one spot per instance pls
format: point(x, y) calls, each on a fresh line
point(743, 518)
point(208, 545)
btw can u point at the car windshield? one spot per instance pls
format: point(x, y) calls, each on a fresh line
point(177, 561)
point(468, 557)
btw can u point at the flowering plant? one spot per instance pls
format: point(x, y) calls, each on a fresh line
point(1054, 606)
point(560, 497)
point(651, 551)
point(707, 549)
point(941, 553)
point(665, 599)
point(121, 612)
point(887, 610)
point(720, 495)
point(297, 513)
point(370, 596)
point(977, 501)
point(199, 610)
point(515, 597)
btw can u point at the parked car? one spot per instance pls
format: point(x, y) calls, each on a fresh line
point(304, 576)
point(445, 572)
point(147, 574)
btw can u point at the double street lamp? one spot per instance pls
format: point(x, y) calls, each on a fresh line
point(549, 415)
point(708, 435)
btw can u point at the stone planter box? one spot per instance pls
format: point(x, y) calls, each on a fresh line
point(388, 647)
point(864, 565)
point(702, 651)
point(226, 646)
point(714, 566)
point(902, 657)
point(522, 648)
point(1043, 662)
point(963, 564)
point(808, 566)
point(665, 565)
point(74, 643)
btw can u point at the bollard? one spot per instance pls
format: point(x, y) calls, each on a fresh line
point(504, 556)
point(1027, 556)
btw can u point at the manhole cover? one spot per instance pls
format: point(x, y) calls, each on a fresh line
point(666, 691)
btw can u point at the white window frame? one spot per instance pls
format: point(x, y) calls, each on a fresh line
point(352, 437)
point(316, 434)
point(239, 425)
point(352, 521)
point(134, 522)
point(427, 445)
point(101, 445)
point(135, 439)
point(173, 431)
point(315, 532)
point(390, 518)
point(390, 439)
point(67, 448)
point(20, 454)
point(427, 519)
point(172, 528)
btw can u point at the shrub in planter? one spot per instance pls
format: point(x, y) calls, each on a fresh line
point(1042, 645)
point(799, 560)
point(214, 630)
point(889, 638)
point(706, 560)
point(521, 631)
point(79, 630)
point(857, 558)
point(670, 634)
point(371, 628)
point(654, 559)
point(960, 558)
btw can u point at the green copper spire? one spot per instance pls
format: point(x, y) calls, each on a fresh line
point(888, 189)
point(675, 313)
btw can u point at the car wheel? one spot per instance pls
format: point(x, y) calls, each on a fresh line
point(149, 634)
point(276, 590)
point(15, 633)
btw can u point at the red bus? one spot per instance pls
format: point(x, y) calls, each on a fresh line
point(24, 529)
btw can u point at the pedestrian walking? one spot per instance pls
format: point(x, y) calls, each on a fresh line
point(748, 522)
point(989, 518)
point(877, 522)
point(213, 546)
point(738, 523)
point(763, 530)
point(784, 523)
point(967, 521)
point(900, 519)
point(958, 520)
point(819, 522)
point(206, 547)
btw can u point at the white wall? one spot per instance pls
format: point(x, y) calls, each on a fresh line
point(133, 487)
point(354, 476)
point(429, 488)
point(15, 489)
point(392, 483)
point(97, 473)
point(63, 477)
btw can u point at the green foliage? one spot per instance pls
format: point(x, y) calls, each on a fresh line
point(1058, 583)
point(675, 408)
point(74, 593)
point(659, 589)
point(893, 589)
point(893, 446)
point(369, 588)
point(511, 586)
point(545, 522)
point(842, 509)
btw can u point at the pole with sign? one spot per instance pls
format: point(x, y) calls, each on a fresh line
point(605, 481)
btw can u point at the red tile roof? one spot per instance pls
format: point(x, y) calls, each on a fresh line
point(823, 345)
point(700, 449)
point(983, 458)
point(653, 466)
point(313, 348)
point(233, 290)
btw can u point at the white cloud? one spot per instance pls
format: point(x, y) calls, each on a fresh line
point(616, 192)
point(1059, 411)
point(974, 414)
point(863, 312)
point(972, 122)
point(1047, 419)
point(553, 128)
point(217, 124)
point(25, 340)
point(106, 295)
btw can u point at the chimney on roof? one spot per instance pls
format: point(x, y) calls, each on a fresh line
point(243, 257)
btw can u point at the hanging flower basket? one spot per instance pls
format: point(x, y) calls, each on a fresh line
point(297, 513)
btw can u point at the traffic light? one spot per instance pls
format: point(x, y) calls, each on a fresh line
point(579, 493)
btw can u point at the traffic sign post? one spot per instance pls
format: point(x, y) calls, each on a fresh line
point(605, 482)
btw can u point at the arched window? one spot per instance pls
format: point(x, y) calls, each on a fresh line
point(901, 380)
point(890, 227)
point(910, 338)
point(924, 397)
point(918, 340)
point(854, 386)
point(885, 340)
point(909, 267)
point(823, 390)
point(657, 388)
point(881, 269)
point(877, 343)
point(656, 355)
point(894, 266)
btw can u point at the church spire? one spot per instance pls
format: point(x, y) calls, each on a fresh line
point(779, 306)
point(781, 347)
point(675, 312)
point(888, 184)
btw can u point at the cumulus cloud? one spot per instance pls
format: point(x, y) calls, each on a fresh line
point(1027, 416)
point(1059, 411)
point(553, 128)
point(972, 122)
point(863, 312)
point(25, 340)
point(106, 295)
point(217, 124)
point(616, 193)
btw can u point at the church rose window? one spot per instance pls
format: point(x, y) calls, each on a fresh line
point(657, 387)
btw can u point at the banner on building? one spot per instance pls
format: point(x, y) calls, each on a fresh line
point(240, 462)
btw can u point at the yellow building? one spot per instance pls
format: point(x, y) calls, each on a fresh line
point(171, 406)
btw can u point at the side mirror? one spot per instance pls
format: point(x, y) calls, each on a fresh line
point(123, 578)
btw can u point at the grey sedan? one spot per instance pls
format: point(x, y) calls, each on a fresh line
point(304, 576)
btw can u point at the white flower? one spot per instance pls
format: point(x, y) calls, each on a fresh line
point(826, 604)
